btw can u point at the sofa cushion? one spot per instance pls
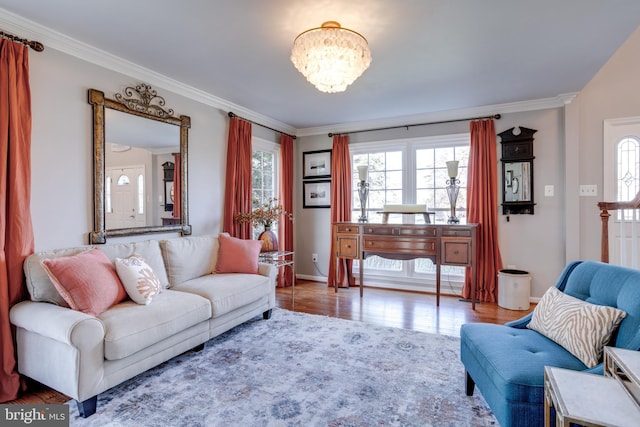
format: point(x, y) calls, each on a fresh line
point(138, 279)
point(131, 327)
point(87, 281)
point(578, 326)
point(148, 249)
point(513, 359)
point(238, 255)
point(189, 257)
point(226, 292)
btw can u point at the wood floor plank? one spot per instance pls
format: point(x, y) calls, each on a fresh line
point(401, 309)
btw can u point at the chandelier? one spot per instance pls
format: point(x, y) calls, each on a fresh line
point(331, 57)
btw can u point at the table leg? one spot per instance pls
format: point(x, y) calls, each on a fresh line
point(437, 284)
point(360, 262)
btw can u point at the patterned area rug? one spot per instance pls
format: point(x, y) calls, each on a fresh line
point(300, 369)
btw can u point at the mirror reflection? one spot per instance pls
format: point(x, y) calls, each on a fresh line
point(137, 153)
point(517, 182)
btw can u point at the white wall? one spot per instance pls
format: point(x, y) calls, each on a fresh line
point(521, 239)
point(62, 152)
point(614, 92)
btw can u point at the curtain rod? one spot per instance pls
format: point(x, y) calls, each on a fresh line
point(232, 114)
point(35, 45)
point(494, 116)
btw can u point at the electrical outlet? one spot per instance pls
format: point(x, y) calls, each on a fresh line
point(314, 257)
point(548, 190)
point(588, 190)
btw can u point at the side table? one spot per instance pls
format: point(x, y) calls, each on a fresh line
point(281, 259)
point(587, 399)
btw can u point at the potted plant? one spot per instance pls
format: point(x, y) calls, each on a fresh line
point(265, 214)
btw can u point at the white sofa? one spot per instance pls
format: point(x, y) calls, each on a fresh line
point(81, 355)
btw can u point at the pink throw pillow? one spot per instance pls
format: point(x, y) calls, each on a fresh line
point(88, 282)
point(238, 255)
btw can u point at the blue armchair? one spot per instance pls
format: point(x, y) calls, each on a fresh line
point(507, 362)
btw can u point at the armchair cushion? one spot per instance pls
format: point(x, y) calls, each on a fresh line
point(580, 327)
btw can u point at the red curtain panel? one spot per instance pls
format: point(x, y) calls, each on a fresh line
point(16, 231)
point(482, 208)
point(177, 185)
point(237, 192)
point(340, 204)
point(285, 228)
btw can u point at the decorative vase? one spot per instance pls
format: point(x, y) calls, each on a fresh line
point(269, 239)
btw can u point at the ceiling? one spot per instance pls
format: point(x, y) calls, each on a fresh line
point(428, 55)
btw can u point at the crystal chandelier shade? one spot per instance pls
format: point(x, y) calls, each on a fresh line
point(331, 57)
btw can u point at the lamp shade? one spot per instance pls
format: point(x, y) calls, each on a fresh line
point(452, 168)
point(362, 172)
point(331, 57)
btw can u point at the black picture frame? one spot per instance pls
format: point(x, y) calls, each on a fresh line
point(316, 194)
point(316, 164)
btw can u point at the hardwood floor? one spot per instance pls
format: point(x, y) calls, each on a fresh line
point(402, 309)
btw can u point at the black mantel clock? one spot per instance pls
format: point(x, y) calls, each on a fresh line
point(517, 170)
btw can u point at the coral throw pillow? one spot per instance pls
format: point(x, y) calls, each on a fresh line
point(238, 255)
point(138, 278)
point(88, 282)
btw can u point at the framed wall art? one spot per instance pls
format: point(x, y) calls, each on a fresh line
point(316, 164)
point(316, 194)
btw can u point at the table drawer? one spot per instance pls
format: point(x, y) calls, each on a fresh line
point(456, 252)
point(347, 247)
point(456, 232)
point(400, 245)
point(400, 231)
point(346, 228)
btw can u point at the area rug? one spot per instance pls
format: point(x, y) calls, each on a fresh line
point(300, 369)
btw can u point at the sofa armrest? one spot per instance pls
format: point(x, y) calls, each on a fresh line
point(58, 323)
point(72, 341)
point(268, 270)
point(520, 323)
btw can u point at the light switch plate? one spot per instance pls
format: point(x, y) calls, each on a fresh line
point(589, 190)
point(548, 190)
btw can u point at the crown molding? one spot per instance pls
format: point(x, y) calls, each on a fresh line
point(512, 107)
point(55, 40)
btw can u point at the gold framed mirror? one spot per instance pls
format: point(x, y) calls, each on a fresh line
point(133, 136)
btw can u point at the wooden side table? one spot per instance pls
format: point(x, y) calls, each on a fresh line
point(587, 399)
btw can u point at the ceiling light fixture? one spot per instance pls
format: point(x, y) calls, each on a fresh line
point(331, 57)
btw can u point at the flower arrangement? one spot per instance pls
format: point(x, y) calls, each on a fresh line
point(265, 214)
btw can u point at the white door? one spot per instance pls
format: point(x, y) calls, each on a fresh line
point(125, 207)
point(622, 183)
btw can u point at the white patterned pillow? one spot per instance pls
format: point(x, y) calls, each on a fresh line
point(139, 280)
point(580, 327)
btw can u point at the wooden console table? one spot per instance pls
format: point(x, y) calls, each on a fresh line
point(444, 244)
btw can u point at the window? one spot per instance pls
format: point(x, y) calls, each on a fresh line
point(140, 194)
point(411, 172)
point(627, 168)
point(107, 195)
point(264, 177)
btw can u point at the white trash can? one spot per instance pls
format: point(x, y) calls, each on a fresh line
point(514, 287)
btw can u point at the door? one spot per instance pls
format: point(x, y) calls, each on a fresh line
point(125, 207)
point(622, 183)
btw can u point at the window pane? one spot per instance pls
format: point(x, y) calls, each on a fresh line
point(140, 194)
